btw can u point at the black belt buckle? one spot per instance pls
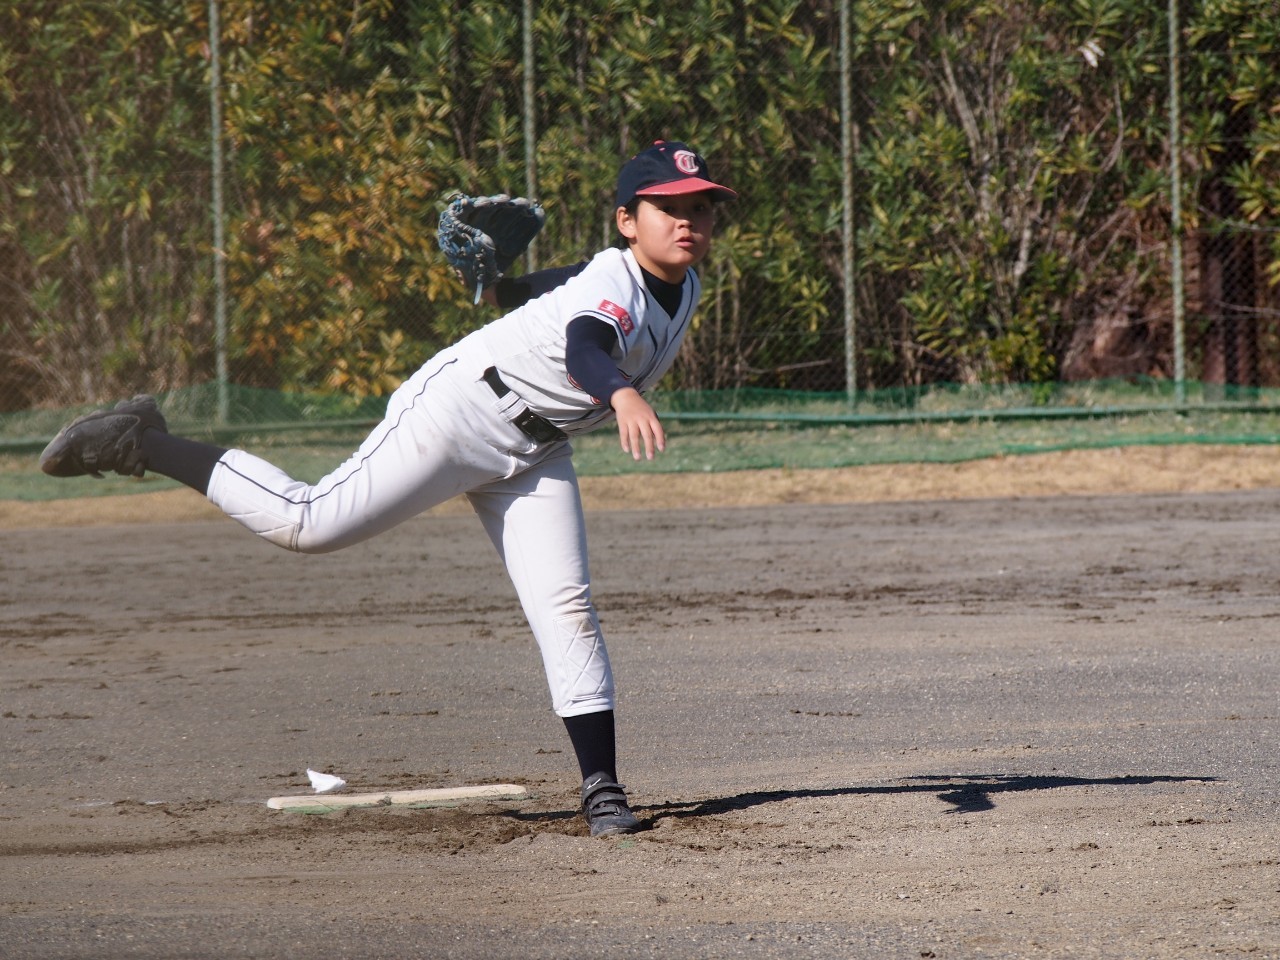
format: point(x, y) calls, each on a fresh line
point(536, 428)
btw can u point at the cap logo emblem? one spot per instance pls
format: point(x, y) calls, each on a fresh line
point(686, 162)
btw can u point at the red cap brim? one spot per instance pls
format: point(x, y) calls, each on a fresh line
point(675, 188)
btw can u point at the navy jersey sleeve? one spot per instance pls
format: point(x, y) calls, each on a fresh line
point(515, 292)
point(588, 357)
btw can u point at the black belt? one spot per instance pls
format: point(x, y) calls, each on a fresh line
point(536, 428)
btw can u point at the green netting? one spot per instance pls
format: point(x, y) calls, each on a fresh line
point(718, 431)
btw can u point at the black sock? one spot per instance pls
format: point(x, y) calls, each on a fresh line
point(187, 461)
point(592, 736)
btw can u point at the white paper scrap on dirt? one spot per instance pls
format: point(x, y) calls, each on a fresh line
point(323, 782)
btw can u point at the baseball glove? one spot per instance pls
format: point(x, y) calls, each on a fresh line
point(482, 236)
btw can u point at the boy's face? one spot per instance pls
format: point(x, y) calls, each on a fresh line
point(668, 235)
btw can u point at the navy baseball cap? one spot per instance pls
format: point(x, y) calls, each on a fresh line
point(667, 169)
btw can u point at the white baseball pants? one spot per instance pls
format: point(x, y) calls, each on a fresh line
point(444, 434)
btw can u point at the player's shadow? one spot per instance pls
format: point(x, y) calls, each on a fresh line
point(962, 794)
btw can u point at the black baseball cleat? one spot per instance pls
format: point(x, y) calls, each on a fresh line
point(604, 804)
point(104, 440)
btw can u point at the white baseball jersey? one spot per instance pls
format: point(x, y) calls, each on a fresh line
point(446, 433)
point(528, 344)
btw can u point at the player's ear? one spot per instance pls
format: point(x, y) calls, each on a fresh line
point(626, 223)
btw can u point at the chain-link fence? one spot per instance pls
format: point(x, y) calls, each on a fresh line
point(215, 198)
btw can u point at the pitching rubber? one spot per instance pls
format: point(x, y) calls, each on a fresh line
point(415, 798)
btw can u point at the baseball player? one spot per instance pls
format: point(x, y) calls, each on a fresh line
point(490, 417)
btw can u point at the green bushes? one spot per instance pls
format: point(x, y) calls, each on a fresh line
point(1010, 181)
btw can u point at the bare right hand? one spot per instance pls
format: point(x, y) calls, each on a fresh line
point(639, 428)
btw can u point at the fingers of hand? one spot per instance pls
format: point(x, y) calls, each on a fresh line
point(643, 437)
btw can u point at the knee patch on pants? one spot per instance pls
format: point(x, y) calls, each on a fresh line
point(582, 680)
point(254, 493)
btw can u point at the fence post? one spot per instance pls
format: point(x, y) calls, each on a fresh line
point(846, 150)
point(530, 132)
point(1175, 212)
point(219, 253)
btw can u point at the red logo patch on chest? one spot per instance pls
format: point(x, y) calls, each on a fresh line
point(619, 314)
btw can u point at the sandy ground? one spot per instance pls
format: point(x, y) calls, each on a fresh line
point(1018, 708)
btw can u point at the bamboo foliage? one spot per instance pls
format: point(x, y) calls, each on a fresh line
point(102, 180)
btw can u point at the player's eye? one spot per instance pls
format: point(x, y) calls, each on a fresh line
point(691, 209)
